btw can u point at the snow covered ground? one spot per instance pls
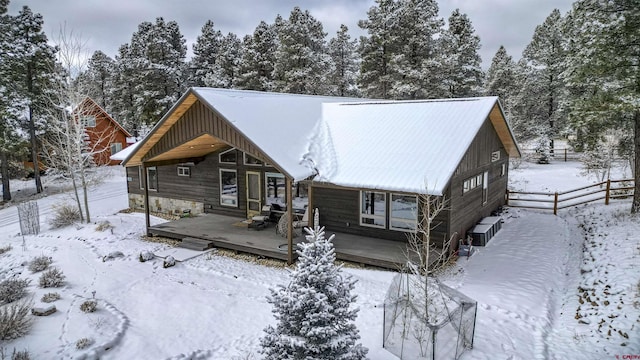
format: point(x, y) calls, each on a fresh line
point(548, 287)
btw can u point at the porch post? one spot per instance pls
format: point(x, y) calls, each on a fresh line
point(312, 213)
point(289, 215)
point(146, 196)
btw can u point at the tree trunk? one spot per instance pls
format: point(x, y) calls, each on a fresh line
point(34, 152)
point(86, 194)
point(635, 207)
point(4, 171)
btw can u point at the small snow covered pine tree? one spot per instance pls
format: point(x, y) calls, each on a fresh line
point(314, 319)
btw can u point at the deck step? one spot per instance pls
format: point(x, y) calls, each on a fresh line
point(195, 244)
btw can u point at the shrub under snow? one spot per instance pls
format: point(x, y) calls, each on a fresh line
point(12, 290)
point(52, 278)
point(146, 256)
point(5, 249)
point(64, 215)
point(50, 297)
point(15, 320)
point(169, 261)
point(39, 263)
point(89, 306)
point(83, 343)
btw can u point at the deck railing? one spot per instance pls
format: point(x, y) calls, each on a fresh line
point(606, 190)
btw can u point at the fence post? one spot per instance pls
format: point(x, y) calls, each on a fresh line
point(606, 198)
point(565, 154)
point(555, 204)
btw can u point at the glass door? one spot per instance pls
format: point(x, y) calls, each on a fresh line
point(254, 203)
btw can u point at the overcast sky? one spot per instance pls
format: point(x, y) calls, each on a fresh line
point(107, 24)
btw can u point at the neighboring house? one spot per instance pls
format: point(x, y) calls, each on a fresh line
point(362, 163)
point(104, 136)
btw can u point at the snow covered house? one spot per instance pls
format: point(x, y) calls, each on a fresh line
point(362, 163)
point(104, 135)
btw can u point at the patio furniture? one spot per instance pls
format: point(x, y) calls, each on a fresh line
point(261, 221)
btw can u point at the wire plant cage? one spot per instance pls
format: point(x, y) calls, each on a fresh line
point(424, 319)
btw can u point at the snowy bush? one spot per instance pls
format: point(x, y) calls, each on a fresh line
point(314, 319)
point(64, 215)
point(5, 249)
point(169, 262)
point(15, 355)
point(113, 255)
point(12, 290)
point(39, 263)
point(146, 256)
point(50, 297)
point(52, 278)
point(89, 306)
point(104, 225)
point(15, 320)
point(83, 343)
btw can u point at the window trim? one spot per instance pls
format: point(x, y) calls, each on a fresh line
point(244, 160)
point(117, 144)
point(221, 188)
point(88, 124)
point(225, 162)
point(472, 182)
point(362, 215)
point(140, 177)
point(184, 171)
point(391, 218)
point(149, 177)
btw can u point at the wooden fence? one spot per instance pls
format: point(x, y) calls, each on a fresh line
point(606, 190)
point(558, 154)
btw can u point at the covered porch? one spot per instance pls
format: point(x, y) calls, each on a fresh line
point(229, 232)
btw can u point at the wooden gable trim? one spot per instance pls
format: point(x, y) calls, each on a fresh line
point(503, 130)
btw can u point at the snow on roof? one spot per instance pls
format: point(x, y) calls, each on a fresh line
point(280, 124)
point(396, 145)
point(124, 153)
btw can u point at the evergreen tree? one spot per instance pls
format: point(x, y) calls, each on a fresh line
point(301, 59)
point(313, 312)
point(462, 75)
point(226, 70)
point(604, 71)
point(377, 49)
point(151, 72)
point(32, 73)
point(502, 81)
point(123, 90)
point(345, 67)
point(258, 59)
point(97, 80)
point(415, 67)
point(545, 57)
point(205, 53)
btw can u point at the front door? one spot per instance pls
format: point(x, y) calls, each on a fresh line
point(254, 203)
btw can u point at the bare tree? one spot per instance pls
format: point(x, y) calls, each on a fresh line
point(71, 145)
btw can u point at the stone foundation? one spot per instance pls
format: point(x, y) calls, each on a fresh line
point(166, 205)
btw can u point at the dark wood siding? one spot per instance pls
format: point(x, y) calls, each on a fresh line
point(468, 208)
point(340, 211)
point(204, 183)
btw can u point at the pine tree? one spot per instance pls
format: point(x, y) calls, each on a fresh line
point(345, 66)
point(301, 58)
point(314, 319)
point(205, 53)
point(258, 59)
point(97, 80)
point(603, 71)
point(461, 69)
point(226, 70)
point(545, 58)
point(501, 80)
point(415, 69)
point(123, 90)
point(377, 49)
point(32, 74)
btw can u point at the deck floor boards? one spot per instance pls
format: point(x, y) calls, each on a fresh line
point(225, 232)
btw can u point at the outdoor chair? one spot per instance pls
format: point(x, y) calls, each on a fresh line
point(261, 221)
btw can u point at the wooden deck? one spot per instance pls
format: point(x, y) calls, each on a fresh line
point(229, 233)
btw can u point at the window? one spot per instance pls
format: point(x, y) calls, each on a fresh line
point(472, 183)
point(503, 169)
point(140, 177)
point(495, 156)
point(228, 188)
point(116, 147)
point(250, 160)
point(88, 120)
point(373, 208)
point(275, 186)
point(404, 212)
point(184, 171)
point(228, 157)
point(152, 178)
point(300, 195)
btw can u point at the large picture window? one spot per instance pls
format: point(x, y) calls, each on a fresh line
point(152, 178)
point(404, 212)
point(373, 208)
point(228, 188)
point(275, 186)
